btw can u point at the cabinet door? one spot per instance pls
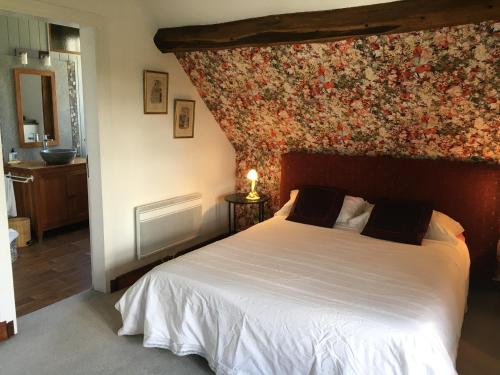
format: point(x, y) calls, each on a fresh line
point(52, 207)
point(78, 208)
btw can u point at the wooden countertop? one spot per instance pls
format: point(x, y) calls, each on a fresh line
point(31, 165)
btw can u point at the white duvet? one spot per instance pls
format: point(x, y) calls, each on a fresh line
point(288, 298)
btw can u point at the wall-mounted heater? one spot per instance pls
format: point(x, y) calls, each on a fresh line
point(162, 225)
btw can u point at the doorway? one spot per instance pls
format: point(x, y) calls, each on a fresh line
point(46, 160)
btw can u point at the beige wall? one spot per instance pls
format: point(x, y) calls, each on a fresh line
point(133, 157)
point(171, 13)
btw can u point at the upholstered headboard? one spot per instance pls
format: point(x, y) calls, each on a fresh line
point(466, 191)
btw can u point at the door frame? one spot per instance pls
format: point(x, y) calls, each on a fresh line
point(96, 98)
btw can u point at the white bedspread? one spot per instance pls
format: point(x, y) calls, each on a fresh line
point(288, 298)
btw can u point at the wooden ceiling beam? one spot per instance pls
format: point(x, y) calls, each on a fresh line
point(329, 25)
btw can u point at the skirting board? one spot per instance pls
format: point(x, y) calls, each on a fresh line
point(127, 279)
point(6, 330)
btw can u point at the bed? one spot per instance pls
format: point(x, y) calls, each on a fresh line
point(289, 298)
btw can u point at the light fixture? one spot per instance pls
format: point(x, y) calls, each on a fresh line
point(252, 176)
point(23, 57)
point(45, 57)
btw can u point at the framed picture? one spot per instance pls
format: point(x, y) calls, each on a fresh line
point(183, 118)
point(155, 92)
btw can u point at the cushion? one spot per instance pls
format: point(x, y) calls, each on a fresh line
point(352, 207)
point(317, 205)
point(358, 222)
point(443, 228)
point(399, 221)
point(287, 207)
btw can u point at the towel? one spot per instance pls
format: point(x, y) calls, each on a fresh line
point(13, 234)
point(13, 248)
point(10, 197)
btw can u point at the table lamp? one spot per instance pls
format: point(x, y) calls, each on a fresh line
point(252, 176)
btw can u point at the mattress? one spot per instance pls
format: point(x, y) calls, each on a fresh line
point(289, 298)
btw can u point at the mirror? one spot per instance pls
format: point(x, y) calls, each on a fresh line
point(36, 102)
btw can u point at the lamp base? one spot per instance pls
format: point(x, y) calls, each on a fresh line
point(253, 196)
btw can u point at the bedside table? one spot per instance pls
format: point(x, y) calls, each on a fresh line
point(240, 198)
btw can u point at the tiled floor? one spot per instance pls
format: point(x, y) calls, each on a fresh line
point(55, 269)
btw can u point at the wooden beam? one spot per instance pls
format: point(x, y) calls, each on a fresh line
point(329, 25)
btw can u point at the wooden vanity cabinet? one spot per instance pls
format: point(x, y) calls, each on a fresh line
point(56, 197)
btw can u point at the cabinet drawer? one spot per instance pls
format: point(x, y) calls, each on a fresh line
point(77, 195)
point(52, 200)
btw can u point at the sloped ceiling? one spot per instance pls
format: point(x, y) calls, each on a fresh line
point(171, 13)
point(430, 94)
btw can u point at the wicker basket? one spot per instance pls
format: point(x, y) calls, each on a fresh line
point(22, 226)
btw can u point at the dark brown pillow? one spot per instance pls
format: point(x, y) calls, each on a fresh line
point(317, 205)
point(399, 221)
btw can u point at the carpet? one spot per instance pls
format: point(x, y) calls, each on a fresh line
point(78, 336)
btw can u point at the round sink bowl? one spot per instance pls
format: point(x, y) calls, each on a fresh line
point(58, 156)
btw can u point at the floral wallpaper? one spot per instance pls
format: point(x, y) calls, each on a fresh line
point(427, 94)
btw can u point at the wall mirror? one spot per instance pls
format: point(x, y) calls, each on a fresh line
point(36, 102)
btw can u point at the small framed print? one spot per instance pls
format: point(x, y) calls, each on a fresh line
point(155, 92)
point(183, 118)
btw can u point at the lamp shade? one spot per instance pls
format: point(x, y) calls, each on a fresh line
point(46, 60)
point(24, 58)
point(252, 175)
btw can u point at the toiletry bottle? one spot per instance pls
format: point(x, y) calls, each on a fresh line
point(13, 155)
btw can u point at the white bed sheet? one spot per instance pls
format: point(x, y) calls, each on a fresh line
point(288, 298)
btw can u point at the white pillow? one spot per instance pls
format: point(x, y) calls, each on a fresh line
point(359, 221)
point(285, 210)
point(443, 228)
point(352, 206)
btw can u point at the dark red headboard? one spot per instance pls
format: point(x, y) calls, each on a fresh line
point(466, 191)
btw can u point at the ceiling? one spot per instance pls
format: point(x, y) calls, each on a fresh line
point(171, 13)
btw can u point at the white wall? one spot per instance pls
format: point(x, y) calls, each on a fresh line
point(141, 161)
point(171, 13)
point(7, 306)
point(133, 157)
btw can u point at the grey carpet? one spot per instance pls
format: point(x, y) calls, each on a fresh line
point(78, 336)
point(479, 350)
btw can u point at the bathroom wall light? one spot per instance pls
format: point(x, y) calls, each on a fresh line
point(45, 57)
point(26, 54)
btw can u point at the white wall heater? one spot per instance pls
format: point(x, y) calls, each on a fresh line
point(162, 225)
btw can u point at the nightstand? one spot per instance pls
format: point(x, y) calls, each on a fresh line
point(240, 198)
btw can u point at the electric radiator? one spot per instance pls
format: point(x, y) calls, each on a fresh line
point(165, 224)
